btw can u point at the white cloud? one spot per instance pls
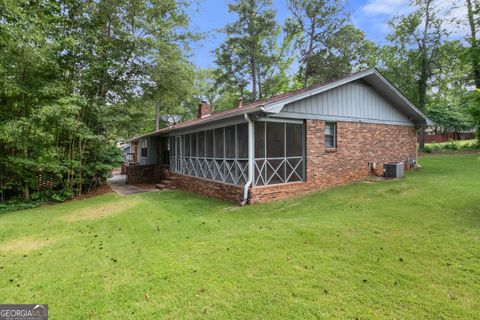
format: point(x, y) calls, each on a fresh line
point(386, 7)
point(375, 13)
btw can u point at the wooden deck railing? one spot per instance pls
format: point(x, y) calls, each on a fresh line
point(143, 174)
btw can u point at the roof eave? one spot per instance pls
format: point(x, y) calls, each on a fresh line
point(206, 121)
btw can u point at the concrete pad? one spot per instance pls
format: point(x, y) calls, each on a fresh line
point(118, 184)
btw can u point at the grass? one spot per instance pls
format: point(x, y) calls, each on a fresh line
point(400, 249)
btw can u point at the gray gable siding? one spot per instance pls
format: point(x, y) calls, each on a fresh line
point(351, 102)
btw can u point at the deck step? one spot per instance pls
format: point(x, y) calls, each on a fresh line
point(167, 182)
point(161, 186)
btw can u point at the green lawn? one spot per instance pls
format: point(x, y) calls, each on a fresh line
point(404, 249)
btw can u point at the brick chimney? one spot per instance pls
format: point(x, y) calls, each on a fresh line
point(240, 102)
point(204, 110)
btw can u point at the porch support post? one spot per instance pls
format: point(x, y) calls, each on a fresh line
point(251, 158)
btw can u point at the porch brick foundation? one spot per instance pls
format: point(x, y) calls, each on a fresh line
point(207, 187)
point(357, 144)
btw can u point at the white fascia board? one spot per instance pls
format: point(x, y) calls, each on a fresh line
point(404, 99)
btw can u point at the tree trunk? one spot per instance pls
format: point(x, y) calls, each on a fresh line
point(421, 139)
point(254, 79)
point(259, 84)
point(424, 73)
point(309, 53)
point(157, 115)
point(473, 42)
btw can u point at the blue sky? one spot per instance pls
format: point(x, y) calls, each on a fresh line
point(370, 16)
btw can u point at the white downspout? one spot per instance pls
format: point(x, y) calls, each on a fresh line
point(251, 159)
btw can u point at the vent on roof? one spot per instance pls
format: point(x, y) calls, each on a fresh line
point(393, 169)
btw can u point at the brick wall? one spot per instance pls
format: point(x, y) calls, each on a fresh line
point(357, 144)
point(207, 187)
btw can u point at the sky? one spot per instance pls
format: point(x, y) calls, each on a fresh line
point(370, 16)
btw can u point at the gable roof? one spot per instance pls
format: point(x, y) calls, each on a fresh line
point(276, 103)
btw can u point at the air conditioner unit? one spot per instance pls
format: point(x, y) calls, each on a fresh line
point(393, 169)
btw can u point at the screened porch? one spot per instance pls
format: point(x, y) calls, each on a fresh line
point(222, 154)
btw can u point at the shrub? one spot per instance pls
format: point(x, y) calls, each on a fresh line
point(14, 205)
point(451, 145)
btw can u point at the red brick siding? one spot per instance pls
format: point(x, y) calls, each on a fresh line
point(207, 187)
point(357, 144)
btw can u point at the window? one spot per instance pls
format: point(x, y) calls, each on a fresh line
point(330, 135)
point(143, 146)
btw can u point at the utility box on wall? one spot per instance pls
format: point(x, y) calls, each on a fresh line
point(393, 169)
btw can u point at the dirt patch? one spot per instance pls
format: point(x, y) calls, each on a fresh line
point(25, 244)
point(98, 191)
point(100, 211)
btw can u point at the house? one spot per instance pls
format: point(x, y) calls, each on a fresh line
point(309, 139)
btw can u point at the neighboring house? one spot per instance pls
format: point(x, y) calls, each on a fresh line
point(125, 147)
point(305, 140)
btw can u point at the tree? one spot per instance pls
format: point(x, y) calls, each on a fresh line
point(249, 47)
point(473, 101)
point(473, 11)
point(73, 78)
point(328, 46)
point(446, 104)
point(418, 37)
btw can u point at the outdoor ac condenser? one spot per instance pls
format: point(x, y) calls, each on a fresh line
point(393, 169)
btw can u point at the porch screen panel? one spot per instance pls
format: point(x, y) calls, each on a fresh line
point(294, 152)
point(242, 140)
point(220, 154)
point(201, 144)
point(229, 164)
point(279, 152)
point(230, 142)
point(242, 153)
point(186, 145)
point(219, 143)
point(193, 144)
point(209, 144)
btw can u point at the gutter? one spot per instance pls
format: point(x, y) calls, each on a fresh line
point(251, 158)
